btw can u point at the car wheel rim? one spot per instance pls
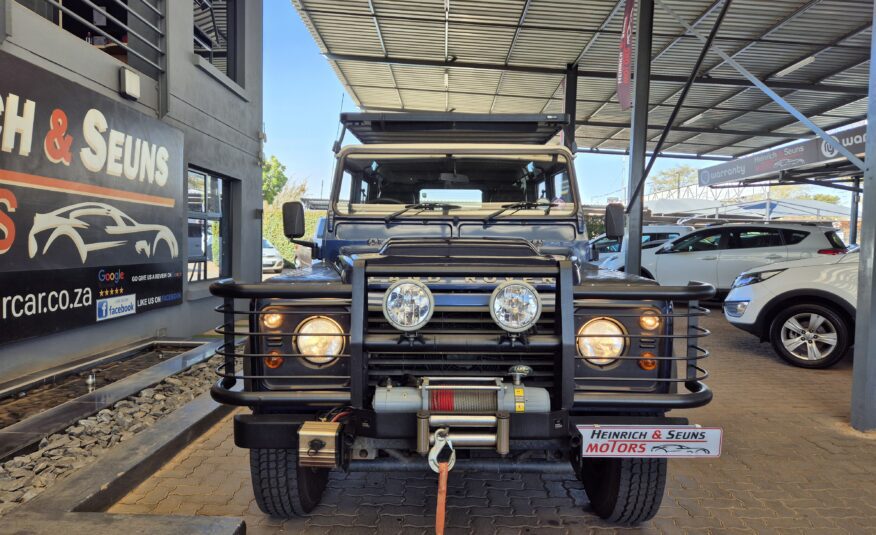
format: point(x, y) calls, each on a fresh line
point(809, 336)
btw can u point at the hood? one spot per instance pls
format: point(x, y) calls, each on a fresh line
point(418, 251)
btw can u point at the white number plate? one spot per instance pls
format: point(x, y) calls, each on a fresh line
point(688, 441)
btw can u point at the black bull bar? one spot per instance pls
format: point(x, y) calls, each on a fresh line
point(313, 396)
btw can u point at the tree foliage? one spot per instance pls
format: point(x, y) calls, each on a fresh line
point(823, 197)
point(272, 220)
point(674, 178)
point(273, 178)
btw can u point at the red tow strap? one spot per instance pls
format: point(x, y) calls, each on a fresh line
point(441, 507)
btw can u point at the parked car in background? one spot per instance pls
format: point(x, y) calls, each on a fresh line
point(717, 254)
point(272, 261)
point(805, 308)
point(603, 245)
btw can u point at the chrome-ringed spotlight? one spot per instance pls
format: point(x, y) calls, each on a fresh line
point(408, 305)
point(515, 306)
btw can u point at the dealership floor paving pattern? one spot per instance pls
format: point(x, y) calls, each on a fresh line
point(791, 464)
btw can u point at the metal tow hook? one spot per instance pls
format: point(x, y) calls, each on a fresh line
point(442, 457)
point(442, 441)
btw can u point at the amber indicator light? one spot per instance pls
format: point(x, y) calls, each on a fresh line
point(647, 362)
point(273, 361)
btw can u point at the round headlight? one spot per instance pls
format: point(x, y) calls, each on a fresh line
point(272, 320)
point(408, 305)
point(601, 341)
point(515, 306)
point(320, 340)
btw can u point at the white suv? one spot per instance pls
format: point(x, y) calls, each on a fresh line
point(609, 248)
point(717, 254)
point(806, 308)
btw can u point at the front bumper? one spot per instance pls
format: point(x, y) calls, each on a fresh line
point(571, 400)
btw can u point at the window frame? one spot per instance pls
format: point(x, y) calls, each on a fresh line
point(234, 40)
point(700, 235)
point(206, 217)
point(735, 238)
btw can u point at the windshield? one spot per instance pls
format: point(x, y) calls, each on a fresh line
point(266, 244)
point(464, 184)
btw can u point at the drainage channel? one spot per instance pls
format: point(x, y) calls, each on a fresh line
point(48, 404)
point(34, 399)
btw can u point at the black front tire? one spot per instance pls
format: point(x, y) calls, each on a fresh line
point(624, 491)
point(836, 323)
point(282, 488)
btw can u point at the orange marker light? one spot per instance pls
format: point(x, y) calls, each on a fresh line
point(274, 361)
point(647, 362)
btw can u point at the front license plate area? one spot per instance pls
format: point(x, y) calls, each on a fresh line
point(666, 441)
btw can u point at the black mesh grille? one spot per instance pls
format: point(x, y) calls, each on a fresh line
point(418, 360)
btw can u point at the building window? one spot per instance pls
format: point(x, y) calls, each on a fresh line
point(209, 201)
point(217, 35)
point(129, 30)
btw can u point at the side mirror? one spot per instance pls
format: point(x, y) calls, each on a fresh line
point(293, 219)
point(614, 221)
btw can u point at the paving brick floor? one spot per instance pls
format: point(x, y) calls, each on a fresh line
point(791, 464)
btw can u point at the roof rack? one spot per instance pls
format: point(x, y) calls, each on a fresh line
point(529, 129)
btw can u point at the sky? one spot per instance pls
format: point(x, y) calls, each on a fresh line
point(303, 100)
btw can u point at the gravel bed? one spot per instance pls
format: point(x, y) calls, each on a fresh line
point(24, 477)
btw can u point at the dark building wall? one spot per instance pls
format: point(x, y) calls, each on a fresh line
point(220, 120)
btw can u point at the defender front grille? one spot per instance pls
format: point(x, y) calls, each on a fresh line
point(456, 341)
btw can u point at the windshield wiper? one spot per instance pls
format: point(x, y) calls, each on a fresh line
point(422, 206)
point(523, 205)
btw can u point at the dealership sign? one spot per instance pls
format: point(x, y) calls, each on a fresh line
point(91, 208)
point(801, 153)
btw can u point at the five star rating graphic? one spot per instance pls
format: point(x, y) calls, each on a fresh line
point(111, 291)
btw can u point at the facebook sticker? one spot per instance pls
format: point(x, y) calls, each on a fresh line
point(114, 307)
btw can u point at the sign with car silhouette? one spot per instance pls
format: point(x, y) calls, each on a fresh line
point(91, 206)
point(650, 441)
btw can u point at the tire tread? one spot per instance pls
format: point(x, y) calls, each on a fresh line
point(275, 483)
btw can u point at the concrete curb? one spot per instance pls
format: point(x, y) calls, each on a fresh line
point(76, 505)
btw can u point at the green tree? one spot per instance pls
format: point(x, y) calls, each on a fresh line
point(823, 197)
point(674, 178)
point(273, 178)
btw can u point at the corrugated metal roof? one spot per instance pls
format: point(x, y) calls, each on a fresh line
point(509, 56)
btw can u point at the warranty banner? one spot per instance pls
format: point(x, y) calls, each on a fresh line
point(91, 206)
point(770, 163)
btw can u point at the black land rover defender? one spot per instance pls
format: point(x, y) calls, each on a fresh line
point(451, 314)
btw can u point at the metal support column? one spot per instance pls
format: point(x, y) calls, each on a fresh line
point(853, 217)
point(864, 372)
point(570, 105)
point(5, 15)
point(639, 135)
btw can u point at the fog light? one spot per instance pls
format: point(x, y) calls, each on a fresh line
point(274, 360)
point(515, 306)
point(408, 305)
point(735, 309)
point(649, 320)
point(648, 362)
point(272, 321)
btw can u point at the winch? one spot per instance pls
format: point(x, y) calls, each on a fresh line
point(472, 412)
point(464, 395)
